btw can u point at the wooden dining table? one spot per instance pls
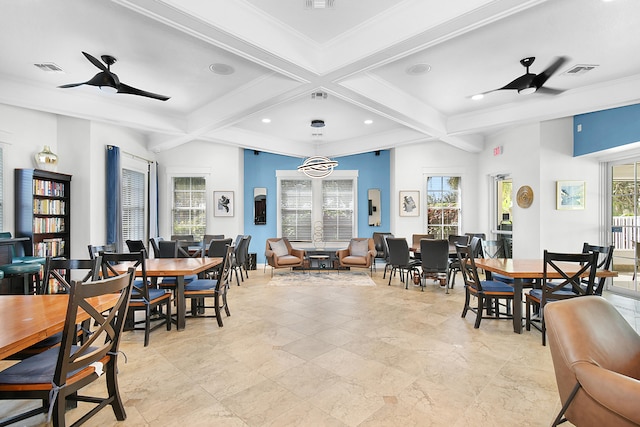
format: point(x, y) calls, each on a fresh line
point(178, 268)
point(520, 269)
point(28, 319)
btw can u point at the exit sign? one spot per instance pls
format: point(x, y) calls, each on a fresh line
point(497, 150)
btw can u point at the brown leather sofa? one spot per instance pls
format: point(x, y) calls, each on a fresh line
point(596, 357)
point(349, 257)
point(292, 257)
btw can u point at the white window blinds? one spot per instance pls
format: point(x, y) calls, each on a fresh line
point(337, 210)
point(295, 209)
point(133, 205)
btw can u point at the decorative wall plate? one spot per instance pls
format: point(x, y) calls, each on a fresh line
point(524, 197)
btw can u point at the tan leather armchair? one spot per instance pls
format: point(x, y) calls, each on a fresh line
point(277, 257)
point(596, 357)
point(357, 254)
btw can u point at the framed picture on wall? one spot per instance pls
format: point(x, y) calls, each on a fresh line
point(570, 195)
point(409, 203)
point(223, 203)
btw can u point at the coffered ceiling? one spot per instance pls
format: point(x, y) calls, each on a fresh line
point(410, 67)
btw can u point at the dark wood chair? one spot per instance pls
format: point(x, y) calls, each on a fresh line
point(95, 250)
point(218, 249)
point(488, 293)
point(58, 374)
point(454, 265)
point(570, 285)
point(143, 297)
point(217, 289)
point(56, 277)
point(605, 258)
point(137, 246)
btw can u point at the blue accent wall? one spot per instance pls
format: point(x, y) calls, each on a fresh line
point(606, 129)
point(260, 171)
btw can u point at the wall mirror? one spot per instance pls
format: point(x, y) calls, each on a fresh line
point(375, 217)
point(259, 205)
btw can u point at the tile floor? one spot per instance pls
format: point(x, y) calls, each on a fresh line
point(336, 356)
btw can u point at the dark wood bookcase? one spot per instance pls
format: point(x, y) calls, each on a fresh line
point(43, 211)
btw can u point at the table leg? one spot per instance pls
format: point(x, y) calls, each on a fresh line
point(181, 306)
point(517, 306)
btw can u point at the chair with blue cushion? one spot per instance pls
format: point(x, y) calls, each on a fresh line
point(172, 249)
point(56, 279)
point(200, 289)
point(488, 293)
point(57, 375)
point(569, 285)
point(454, 265)
point(143, 296)
point(95, 250)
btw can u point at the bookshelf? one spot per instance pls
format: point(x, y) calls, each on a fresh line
point(42, 211)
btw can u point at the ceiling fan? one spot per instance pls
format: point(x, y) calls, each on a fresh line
point(108, 81)
point(529, 83)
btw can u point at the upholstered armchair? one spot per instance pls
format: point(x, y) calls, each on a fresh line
point(280, 254)
point(596, 358)
point(360, 253)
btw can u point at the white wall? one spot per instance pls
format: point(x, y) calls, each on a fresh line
point(567, 230)
point(538, 155)
point(409, 166)
point(223, 167)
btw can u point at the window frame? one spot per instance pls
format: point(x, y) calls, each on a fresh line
point(442, 225)
point(317, 198)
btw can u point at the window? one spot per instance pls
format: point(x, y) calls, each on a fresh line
point(337, 210)
point(443, 205)
point(189, 206)
point(317, 209)
point(133, 205)
point(295, 209)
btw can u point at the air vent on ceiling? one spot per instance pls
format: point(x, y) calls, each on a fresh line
point(49, 67)
point(579, 69)
point(319, 95)
point(318, 4)
point(316, 136)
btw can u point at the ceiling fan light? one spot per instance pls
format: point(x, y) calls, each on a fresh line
point(317, 123)
point(527, 90)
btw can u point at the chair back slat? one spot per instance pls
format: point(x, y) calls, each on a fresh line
point(468, 267)
point(140, 288)
point(105, 338)
point(58, 270)
point(556, 289)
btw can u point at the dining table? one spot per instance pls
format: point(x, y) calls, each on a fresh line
point(520, 269)
point(178, 268)
point(28, 319)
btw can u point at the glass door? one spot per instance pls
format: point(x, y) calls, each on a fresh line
point(625, 230)
point(502, 222)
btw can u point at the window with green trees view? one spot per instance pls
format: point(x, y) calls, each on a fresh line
point(443, 205)
point(189, 206)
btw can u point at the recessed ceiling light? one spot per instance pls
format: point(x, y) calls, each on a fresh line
point(418, 69)
point(477, 97)
point(222, 69)
point(368, 122)
point(266, 120)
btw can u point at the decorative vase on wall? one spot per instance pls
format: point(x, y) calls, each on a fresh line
point(46, 159)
